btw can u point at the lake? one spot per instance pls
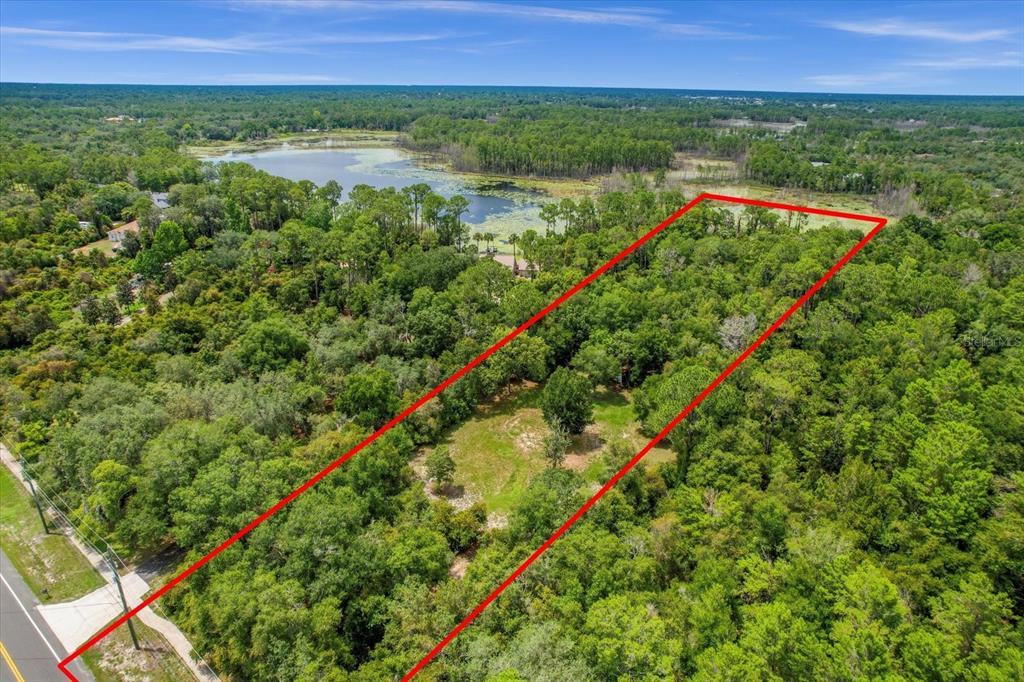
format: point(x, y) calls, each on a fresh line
point(501, 208)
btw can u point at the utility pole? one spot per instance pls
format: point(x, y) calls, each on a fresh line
point(124, 602)
point(35, 496)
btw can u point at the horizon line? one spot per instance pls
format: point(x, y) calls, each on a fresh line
point(313, 86)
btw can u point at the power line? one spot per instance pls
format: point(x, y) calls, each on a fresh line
point(65, 514)
point(62, 513)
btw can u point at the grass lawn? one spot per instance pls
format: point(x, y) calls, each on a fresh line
point(50, 564)
point(104, 245)
point(615, 420)
point(500, 448)
point(113, 658)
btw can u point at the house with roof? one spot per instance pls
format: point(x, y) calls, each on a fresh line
point(117, 235)
point(159, 199)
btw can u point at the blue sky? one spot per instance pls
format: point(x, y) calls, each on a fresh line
point(885, 47)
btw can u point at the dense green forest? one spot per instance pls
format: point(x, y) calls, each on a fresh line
point(848, 505)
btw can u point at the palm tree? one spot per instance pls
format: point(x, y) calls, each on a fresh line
point(489, 238)
point(478, 237)
point(513, 239)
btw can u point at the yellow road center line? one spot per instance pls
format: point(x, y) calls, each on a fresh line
point(10, 663)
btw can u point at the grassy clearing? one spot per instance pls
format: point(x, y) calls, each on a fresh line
point(113, 658)
point(691, 167)
point(687, 177)
point(500, 448)
point(615, 420)
point(847, 203)
point(53, 567)
point(345, 137)
point(104, 245)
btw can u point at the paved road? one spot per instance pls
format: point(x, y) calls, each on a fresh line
point(25, 636)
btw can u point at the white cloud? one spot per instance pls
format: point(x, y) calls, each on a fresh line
point(102, 41)
point(859, 80)
point(121, 42)
point(638, 17)
point(484, 48)
point(910, 29)
point(1001, 60)
point(912, 74)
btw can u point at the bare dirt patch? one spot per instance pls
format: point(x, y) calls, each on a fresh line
point(585, 447)
point(529, 442)
point(461, 563)
point(777, 126)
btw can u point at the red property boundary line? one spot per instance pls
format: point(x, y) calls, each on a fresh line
point(879, 224)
